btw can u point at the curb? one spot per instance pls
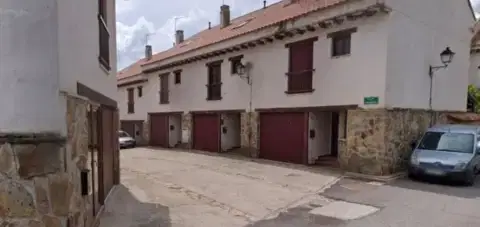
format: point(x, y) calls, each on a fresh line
point(384, 179)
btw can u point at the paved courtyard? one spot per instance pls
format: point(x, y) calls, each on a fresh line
point(177, 188)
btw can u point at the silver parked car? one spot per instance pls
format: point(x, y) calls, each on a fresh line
point(451, 151)
point(125, 140)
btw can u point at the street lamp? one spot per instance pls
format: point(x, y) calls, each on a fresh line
point(240, 68)
point(446, 57)
point(243, 70)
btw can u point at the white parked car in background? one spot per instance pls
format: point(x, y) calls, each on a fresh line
point(125, 140)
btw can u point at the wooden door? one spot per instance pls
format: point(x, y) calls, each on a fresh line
point(206, 132)
point(128, 127)
point(93, 158)
point(283, 137)
point(108, 145)
point(116, 148)
point(159, 130)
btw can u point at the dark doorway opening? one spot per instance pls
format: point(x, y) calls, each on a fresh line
point(335, 134)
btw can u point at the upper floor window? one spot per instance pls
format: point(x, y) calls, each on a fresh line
point(164, 97)
point(341, 42)
point(214, 86)
point(234, 62)
point(140, 91)
point(104, 35)
point(300, 71)
point(131, 102)
point(178, 76)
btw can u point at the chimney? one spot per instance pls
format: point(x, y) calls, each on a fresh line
point(264, 4)
point(209, 25)
point(224, 16)
point(179, 37)
point(148, 52)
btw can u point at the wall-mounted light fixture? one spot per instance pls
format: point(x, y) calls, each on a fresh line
point(243, 70)
point(446, 57)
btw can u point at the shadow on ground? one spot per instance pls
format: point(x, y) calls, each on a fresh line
point(439, 186)
point(297, 217)
point(125, 210)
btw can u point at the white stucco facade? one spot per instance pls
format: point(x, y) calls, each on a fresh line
point(45, 48)
point(79, 47)
point(29, 76)
point(418, 32)
point(390, 57)
point(474, 70)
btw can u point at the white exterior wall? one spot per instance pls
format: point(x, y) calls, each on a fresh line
point(390, 58)
point(474, 71)
point(417, 35)
point(79, 47)
point(29, 77)
point(337, 81)
point(142, 107)
point(46, 48)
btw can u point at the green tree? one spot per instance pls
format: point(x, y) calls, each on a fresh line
point(474, 95)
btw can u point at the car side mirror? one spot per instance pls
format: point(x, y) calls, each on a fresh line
point(413, 145)
point(478, 148)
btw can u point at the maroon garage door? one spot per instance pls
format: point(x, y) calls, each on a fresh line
point(283, 137)
point(206, 132)
point(159, 130)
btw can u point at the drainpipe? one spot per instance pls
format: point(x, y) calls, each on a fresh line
point(250, 107)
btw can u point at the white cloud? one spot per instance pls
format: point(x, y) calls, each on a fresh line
point(124, 6)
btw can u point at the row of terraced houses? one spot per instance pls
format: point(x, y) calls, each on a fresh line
point(329, 82)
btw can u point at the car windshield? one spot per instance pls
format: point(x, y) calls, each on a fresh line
point(123, 134)
point(445, 141)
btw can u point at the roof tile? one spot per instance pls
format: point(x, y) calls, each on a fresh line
point(250, 22)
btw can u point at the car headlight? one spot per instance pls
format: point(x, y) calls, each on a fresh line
point(414, 159)
point(460, 166)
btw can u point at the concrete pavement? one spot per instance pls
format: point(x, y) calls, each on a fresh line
point(403, 203)
point(175, 188)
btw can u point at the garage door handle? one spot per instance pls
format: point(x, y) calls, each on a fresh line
point(172, 127)
point(312, 133)
point(224, 130)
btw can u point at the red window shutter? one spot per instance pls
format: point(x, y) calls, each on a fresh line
point(214, 86)
point(301, 66)
point(131, 101)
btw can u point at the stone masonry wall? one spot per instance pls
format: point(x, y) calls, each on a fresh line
point(187, 122)
point(249, 132)
point(40, 175)
point(378, 141)
point(146, 131)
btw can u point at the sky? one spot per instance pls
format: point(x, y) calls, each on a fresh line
point(155, 19)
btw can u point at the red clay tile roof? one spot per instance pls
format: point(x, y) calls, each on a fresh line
point(132, 70)
point(248, 23)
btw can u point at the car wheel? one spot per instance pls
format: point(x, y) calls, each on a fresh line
point(471, 177)
point(411, 176)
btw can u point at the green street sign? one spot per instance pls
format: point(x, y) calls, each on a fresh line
point(371, 100)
